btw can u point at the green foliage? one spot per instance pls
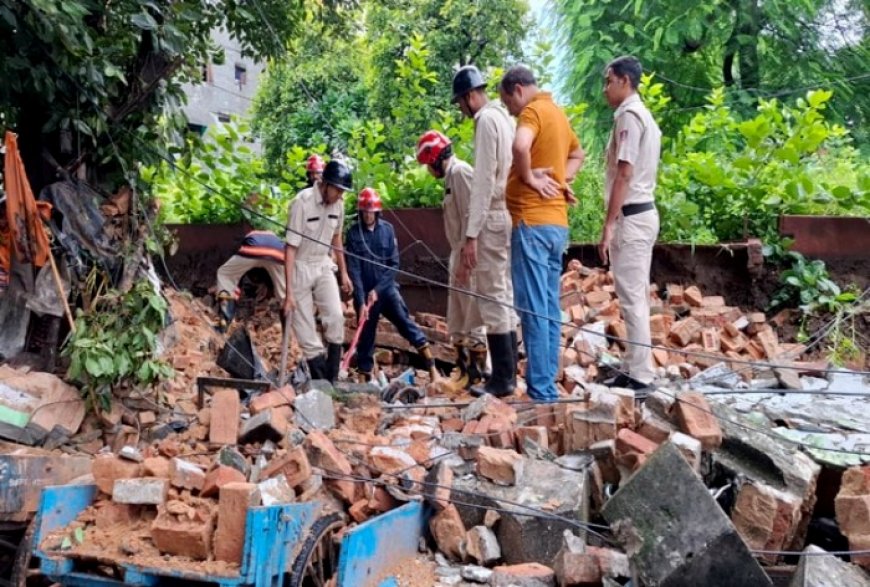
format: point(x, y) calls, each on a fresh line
point(75, 70)
point(755, 49)
point(212, 175)
point(383, 84)
point(807, 284)
point(115, 343)
point(725, 177)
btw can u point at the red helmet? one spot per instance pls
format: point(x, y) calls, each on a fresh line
point(315, 163)
point(430, 147)
point(369, 201)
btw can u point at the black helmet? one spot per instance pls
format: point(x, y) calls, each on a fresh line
point(466, 79)
point(338, 174)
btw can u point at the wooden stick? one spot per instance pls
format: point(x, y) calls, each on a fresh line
point(285, 344)
point(61, 292)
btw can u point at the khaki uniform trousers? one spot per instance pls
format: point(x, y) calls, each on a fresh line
point(315, 287)
point(630, 259)
point(464, 322)
point(230, 273)
point(492, 273)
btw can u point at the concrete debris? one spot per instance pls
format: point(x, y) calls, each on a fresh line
point(140, 491)
point(503, 482)
point(674, 532)
point(314, 410)
point(817, 570)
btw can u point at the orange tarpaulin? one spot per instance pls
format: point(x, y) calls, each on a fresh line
point(23, 213)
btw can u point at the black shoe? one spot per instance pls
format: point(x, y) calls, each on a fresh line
point(515, 347)
point(333, 361)
point(476, 365)
point(626, 382)
point(504, 368)
point(317, 367)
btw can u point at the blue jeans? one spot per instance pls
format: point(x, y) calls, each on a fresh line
point(536, 264)
point(393, 308)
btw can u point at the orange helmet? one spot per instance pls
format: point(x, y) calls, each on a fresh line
point(432, 146)
point(369, 201)
point(315, 163)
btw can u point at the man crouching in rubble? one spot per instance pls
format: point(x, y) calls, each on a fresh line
point(260, 248)
point(314, 226)
point(371, 244)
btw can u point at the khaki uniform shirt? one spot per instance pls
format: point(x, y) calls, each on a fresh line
point(635, 139)
point(493, 142)
point(318, 222)
point(457, 197)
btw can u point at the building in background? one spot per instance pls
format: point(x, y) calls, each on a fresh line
point(226, 90)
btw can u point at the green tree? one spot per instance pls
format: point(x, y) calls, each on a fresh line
point(754, 49)
point(83, 78)
point(393, 67)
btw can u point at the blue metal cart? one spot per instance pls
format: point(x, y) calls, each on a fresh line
point(285, 545)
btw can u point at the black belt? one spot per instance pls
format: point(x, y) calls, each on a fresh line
point(632, 209)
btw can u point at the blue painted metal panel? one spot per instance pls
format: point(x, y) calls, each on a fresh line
point(270, 540)
point(378, 546)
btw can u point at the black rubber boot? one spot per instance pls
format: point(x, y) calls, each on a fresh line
point(333, 361)
point(515, 347)
point(504, 368)
point(317, 367)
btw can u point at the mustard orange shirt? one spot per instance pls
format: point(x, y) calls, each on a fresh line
point(554, 140)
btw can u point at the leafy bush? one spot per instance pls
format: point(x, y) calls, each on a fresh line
point(723, 178)
point(807, 284)
point(115, 343)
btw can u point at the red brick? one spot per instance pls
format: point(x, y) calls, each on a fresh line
point(710, 340)
point(537, 434)
point(577, 314)
point(449, 533)
point(661, 356)
point(860, 542)
point(452, 425)
point(567, 358)
point(697, 420)
point(147, 418)
point(381, 501)
point(675, 294)
point(107, 468)
point(360, 511)
point(225, 410)
point(757, 318)
point(712, 302)
point(853, 514)
point(389, 459)
point(218, 477)
point(684, 331)
point(766, 518)
point(501, 466)
point(323, 454)
point(855, 481)
point(618, 330)
point(732, 343)
point(597, 298)
point(628, 441)
point(272, 399)
point(108, 514)
point(184, 536)
point(769, 343)
point(293, 465)
point(156, 467)
point(233, 504)
point(692, 295)
point(660, 325)
point(506, 575)
point(500, 433)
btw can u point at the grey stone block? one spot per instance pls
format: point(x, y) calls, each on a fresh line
point(524, 534)
point(673, 530)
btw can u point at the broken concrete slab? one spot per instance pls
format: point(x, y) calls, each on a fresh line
point(525, 531)
point(674, 531)
point(314, 410)
point(523, 575)
point(482, 545)
point(819, 570)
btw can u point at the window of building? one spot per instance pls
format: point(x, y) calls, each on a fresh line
point(241, 75)
point(223, 117)
point(207, 76)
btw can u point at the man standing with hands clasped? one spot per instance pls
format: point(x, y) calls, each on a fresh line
point(546, 157)
point(632, 222)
